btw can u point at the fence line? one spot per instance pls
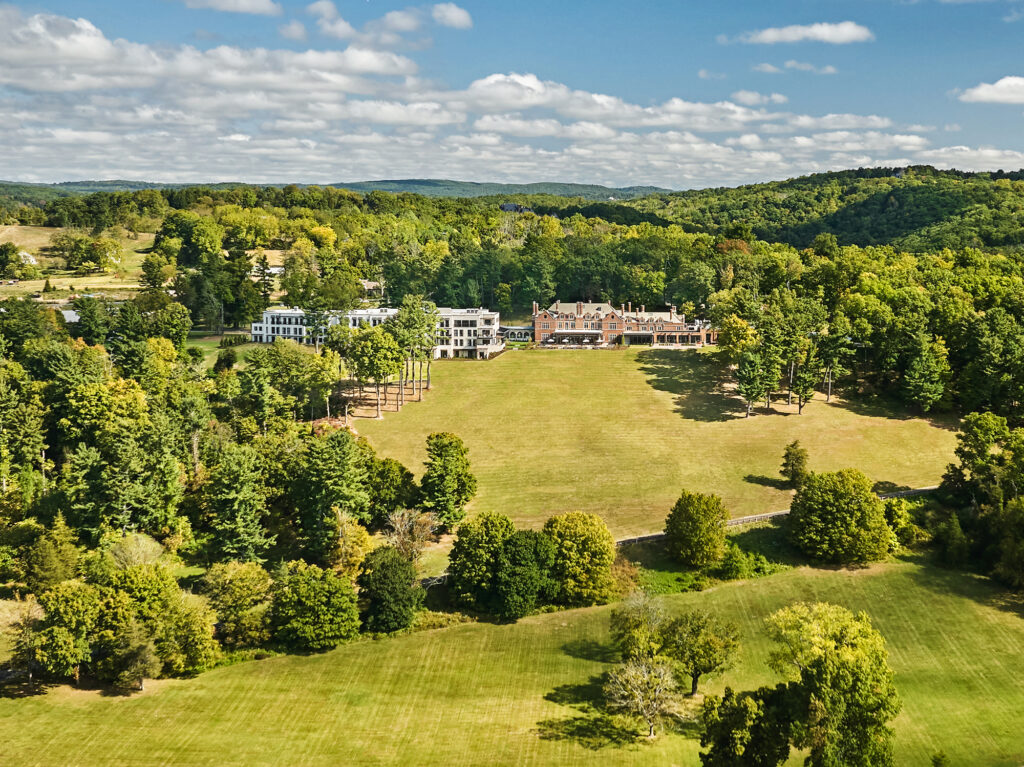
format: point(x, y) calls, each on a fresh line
point(763, 517)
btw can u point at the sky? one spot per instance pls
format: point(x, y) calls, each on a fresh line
point(674, 93)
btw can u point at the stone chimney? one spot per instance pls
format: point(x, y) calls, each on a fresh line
point(630, 307)
point(672, 310)
point(536, 309)
point(641, 308)
point(579, 308)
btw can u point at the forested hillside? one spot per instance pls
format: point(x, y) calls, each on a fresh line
point(916, 209)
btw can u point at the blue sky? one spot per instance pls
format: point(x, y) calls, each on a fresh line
point(677, 93)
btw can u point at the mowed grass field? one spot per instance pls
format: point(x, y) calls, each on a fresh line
point(621, 433)
point(480, 694)
point(120, 283)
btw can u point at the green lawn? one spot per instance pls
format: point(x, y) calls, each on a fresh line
point(481, 694)
point(209, 345)
point(622, 432)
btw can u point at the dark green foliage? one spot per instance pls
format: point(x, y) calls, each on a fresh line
point(794, 463)
point(447, 484)
point(695, 529)
point(226, 359)
point(475, 556)
point(234, 499)
point(312, 609)
point(954, 548)
point(387, 583)
point(522, 580)
point(332, 480)
point(749, 729)
point(52, 558)
point(391, 487)
point(836, 517)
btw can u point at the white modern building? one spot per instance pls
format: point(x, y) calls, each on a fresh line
point(471, 333)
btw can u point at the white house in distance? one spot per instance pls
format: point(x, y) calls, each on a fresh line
point(471, 333)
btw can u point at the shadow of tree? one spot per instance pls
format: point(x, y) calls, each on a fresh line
point(973, 586)
point(777, 483)
point(883, 486)
point(589, 649)
point(594, 727)
point(18, 686)
point(698, 381)
point(594, 731)
point(877, 406)
point(768, 539)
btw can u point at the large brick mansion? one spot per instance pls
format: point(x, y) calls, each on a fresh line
point(601, 324)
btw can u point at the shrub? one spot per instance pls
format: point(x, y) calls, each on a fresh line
point(522, 578)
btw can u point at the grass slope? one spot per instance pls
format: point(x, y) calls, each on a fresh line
point(484, 694)
point(620, 433)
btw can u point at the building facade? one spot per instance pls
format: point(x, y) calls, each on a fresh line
point(468, 333)
point(601, 324)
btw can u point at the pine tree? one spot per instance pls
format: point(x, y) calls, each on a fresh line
point(236, 505)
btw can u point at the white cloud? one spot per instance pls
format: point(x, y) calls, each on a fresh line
point(766, 68)
point(451, 15)
point(951, 128)
point(329, 21)
point(259, 7)
point(753, 98)
point(293, 30)
point(803, 66)
point(837, 34)
point(706, 74)
point(1008, 90)
point(77, 104)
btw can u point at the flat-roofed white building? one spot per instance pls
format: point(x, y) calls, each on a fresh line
point(470, 333)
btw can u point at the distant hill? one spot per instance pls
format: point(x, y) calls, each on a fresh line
point(427, 187)
point(915, 208)
point(431, 187)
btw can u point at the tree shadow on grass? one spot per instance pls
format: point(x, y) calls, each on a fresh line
point(976, 587)
point(876, 406)
point(17, 686)
point(590, 649)
point(778, 483)
point(882, 487)
point(698, 381)
point(594, 727)
point(768, 539)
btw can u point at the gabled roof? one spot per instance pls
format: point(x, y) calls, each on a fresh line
point(570, 307)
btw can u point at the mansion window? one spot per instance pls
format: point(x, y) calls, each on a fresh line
point(544, 325)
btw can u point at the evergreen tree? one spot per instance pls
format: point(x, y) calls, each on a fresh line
point(448, 484)
point(387, 583)
point(235, 503)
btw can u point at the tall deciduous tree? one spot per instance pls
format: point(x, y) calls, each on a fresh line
point(448, 484)
point(836, 517)
point(695, 529)
point(584, 552)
